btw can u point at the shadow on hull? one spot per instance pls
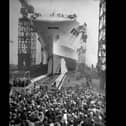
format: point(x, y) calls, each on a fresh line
point(38, 70)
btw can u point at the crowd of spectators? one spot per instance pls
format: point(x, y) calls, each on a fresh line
point(70, 106)
point(20, 82)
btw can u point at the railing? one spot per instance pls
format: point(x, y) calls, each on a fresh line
point(70, 16)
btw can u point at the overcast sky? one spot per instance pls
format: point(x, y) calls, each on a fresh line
point(86, 10)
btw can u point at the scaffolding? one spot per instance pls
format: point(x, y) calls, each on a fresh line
point(101, 65)
point(26, 44)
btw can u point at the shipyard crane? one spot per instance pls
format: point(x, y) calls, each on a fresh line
point(28, 9)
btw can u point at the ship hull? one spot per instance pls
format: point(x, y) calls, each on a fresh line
point(58, 42)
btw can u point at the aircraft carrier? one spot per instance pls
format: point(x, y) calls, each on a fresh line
point(61, 38)
point(61, 89)
point(62, 46)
